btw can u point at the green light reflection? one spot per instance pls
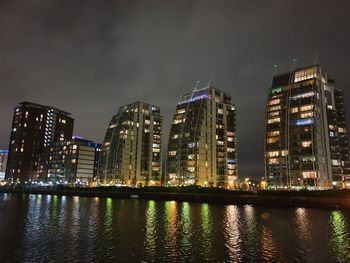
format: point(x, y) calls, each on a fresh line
point(339, 241)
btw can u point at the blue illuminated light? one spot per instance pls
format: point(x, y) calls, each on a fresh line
point(231, 161)
point(4, 151)
point(302, 122)
point(200, 97)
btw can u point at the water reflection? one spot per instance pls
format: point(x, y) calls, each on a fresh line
point(171, 227)
point(232, 233)
point(43, 228)
point(151, 233)
point(186, 233)
point(339, 241)
point(251, 239)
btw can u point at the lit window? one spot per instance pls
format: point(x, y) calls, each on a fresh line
point(294, 110)
point(342, 130)
point(274, 102)
point(311, 174)
point(273, 154)
point(306, 143)
point(177, 121)
point(273, 120)
point(284, 153)
point(274, 108)
point(307, 107)
point(273, 161)
point(172, 153)
point(272, 140)
point(274, 113)
point(273, 133)
point(307, 114)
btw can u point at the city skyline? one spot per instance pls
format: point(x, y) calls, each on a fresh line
point(115, 57)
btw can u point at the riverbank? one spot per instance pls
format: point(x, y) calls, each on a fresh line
point(331, 199)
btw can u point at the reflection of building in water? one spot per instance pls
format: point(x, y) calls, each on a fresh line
point(339, 242)
point(172, 226)
point(268, 245)
point(232, 233)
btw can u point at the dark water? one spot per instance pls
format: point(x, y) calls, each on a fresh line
point(39, 228)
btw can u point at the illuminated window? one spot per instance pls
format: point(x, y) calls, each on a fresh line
point(177, 121)
point(230, 139)
point(156, 150)
point(220, 111)
point(191, 169)
point(272, 140)
point(273, 133)
point(274, 102)
point(306, 143)
point(175, 136)
point(294, 110)
point(273, 120)
point(310, 174)
point(307, 107)
point(342, 130)
point(180, 111)
point(273, 154)
point(172, 153)
point(307, 114)
point(274, 113)
point(335, 162)
point(274, 108)
point(273, 161)
point(305, 74)
point(284, 153)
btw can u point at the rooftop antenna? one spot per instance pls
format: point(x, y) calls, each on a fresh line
point(210, 79)
point(315, 58)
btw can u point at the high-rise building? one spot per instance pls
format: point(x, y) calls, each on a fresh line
point(73, 161)
point(202, 147)
point(306, 137)
point(34, 128)
point(3, 162)
point(131, 150)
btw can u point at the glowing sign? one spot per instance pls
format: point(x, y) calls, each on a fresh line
point(302, 122)
point(304, 95)
point(4, 151)
point(200, 97)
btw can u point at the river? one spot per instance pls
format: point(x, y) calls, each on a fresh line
point(45, 228)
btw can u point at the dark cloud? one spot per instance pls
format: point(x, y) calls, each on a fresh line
point(90, 57)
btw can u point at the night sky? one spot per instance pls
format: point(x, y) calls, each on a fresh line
point(91, 57)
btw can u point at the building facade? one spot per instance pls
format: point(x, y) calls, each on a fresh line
point(131, 150)
point(34, 128)
point(73, 161)
point(3, 162)
point(306, 137)
point(202, 148)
